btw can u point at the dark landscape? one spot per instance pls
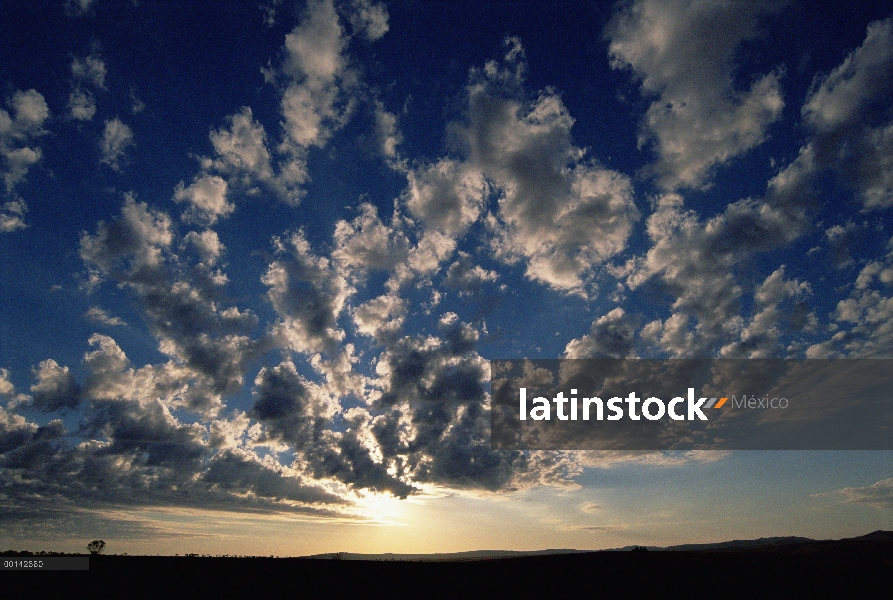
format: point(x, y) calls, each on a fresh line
point(795, 565)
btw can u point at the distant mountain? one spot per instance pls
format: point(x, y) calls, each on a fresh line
point(759, 544)
point(446, 556)
point(742, 544)
point(874, 536)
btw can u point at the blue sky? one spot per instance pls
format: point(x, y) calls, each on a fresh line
point(256, 258)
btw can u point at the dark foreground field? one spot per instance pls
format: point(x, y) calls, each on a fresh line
point(796, 570)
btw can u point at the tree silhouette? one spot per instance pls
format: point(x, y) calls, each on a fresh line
point(96, 546)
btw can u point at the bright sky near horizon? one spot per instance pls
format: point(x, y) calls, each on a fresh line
point(255, 257)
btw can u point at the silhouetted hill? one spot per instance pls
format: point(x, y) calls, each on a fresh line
point(876, 536)
point(765, 567)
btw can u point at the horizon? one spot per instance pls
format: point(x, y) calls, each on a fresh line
point(490, 553)
point(257, 258)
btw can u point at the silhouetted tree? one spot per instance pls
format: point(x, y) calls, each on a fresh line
point(96, 546)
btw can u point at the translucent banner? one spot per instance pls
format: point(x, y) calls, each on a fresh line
point(611, 404)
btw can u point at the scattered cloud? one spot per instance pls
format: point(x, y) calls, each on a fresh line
point(19, 130)
point(878, 495)
point(117, 138)
point(98, 315)
point(561, 214)
point(681, 52)
point(369, 18)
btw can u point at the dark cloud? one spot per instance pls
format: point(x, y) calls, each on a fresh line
point(308, 294)
point(55, 387)
point(182, 303)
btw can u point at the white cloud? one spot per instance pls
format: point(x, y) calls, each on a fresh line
point(208, 245)
point(369, 18)
point(682, 51)
point(561, 214)
point(842, 108)
point(447, 196)
point(18, 134)
point(138, 239)
point(760, 337)
point(315, 63)
point(843, 94)
point(12, 216)
point(207, 341)
point(242, 148)
point(81, 105)
point(55, 387)
point(78, 8)
point(611, 336)
point(867, 315)
point(116, 139)
point(207, 199)
point(87, 72)
point(90, 70)
point(6, 386)
point(386, 132)
point(848, 111)
point(695, 260)
point(320, 89)
point(467, 277)
point(366, 243)
point(878, 495)
point(381, 317)
point(98, 315)
point(309, 294)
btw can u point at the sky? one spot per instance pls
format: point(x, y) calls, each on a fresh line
point(256, 258)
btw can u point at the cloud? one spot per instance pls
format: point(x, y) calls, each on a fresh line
point(6, 386)
point(55, 387)
point(682, 52)
point(369, 18)
point(308, 293)
point(381, 317)
point(447, 196)
point(849, 111)
point(19, 130)
point(594, 528)
point(90, 70)
point(366, 243)
point(431, 420)
point(313, 102)
point(238, 472)
point(207, 200)
point(866, 317)
point(81, 104)
point(78, 8)
point(98, 315)
point(131, 244)
point(695, 260)
point(85, 72)
point(181, 302)
point(294, 410)
point(780, 308)
point(116, 139)
point(137, 453)
point(878, 495)
point(207, 244)
point(386, 133)
point(563, 215)
point(12, 216)
point(611, 336)
point(467, 277)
